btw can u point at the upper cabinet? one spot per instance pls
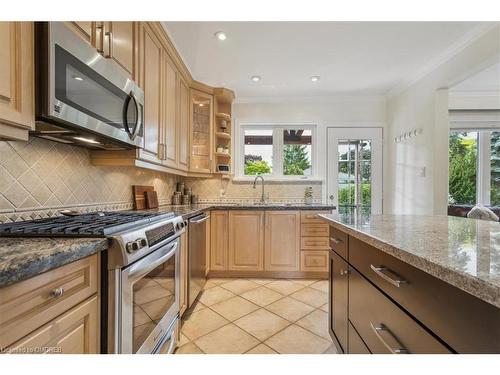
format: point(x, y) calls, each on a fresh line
point(16, 80)
point(201, 131)
point(184, 100)
point(116, 41)
point(170, 123)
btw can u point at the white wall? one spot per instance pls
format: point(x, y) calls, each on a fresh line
point(424, 105)
point(323, 112)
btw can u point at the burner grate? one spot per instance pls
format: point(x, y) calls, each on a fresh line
point(97, 224)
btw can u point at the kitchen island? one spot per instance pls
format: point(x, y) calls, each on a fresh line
point(420, 284)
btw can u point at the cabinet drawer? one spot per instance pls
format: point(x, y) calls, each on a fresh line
point(339, 242)
point(383, 326)
point(311, 217)
point(356, 344)
point(461, 320)
point(314, 230)
point(314, 243)
point(29, 304)
point(74, 332)
point(311, 260)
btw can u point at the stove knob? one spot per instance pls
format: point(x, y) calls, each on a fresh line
point(180, 225)
point(142, 242)
point(132, 246)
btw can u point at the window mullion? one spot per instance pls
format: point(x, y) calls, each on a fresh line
point(483, 168)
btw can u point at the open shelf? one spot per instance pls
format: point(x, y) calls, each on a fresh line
point(223, 135)
point(223, 155)
point(224, 116)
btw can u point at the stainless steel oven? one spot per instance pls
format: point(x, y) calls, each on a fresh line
point(143, 300)
point(197, 256)
point(83, 98)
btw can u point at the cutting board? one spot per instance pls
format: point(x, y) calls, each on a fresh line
point(139, 194)
point(151, 199)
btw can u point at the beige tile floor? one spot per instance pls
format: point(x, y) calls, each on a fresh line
point(258, 316)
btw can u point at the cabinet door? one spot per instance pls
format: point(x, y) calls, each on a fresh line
point(16, 80)
point(120, 44)
point(151, 83)
point(219, 224)
point(183, 145)
point(338, 299)
point(170, 113)
point(282, 246)
point(74, 332)
point(201, 132)
point(84, 29)
point(246, 241)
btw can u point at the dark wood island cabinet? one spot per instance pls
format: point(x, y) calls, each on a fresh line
point(381, 304)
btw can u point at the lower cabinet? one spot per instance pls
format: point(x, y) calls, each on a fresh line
point(282, 241)
point(54, 312)
point(338, 318)
point(356, 344)
point(219, 231)
point(246, 241)
point(74, 332)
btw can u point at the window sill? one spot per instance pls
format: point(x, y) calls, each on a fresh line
point(242, 179)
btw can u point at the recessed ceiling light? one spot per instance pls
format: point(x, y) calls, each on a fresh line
point(221, 35)
point(255, 78)
point(315, 78)
point(78, 78)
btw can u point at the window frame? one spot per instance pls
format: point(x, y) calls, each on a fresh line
point(483, 162)
point(278, 144)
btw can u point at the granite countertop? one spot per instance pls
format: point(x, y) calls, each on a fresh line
point(22, 258)
point(463, 252)
point(189, 211)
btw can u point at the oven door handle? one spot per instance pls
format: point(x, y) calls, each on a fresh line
point(149, 263)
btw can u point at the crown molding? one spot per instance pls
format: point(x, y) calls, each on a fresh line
point(309, 99)
point(458, 46)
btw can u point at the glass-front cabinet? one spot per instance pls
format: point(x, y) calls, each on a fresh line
point(201, 132)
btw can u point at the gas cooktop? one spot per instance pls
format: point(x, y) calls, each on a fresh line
point(96, 224)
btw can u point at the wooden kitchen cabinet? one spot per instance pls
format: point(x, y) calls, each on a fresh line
point(120, 45)
point(219, 231)
point(85, 30)
point(282, 241)
point(338, 300)
point(151, 72)
point(201, 132)
point(183, 120)
point(74, 332)
point(17, 89)
point(170, 123)
point(58, 308)
point(246, 241)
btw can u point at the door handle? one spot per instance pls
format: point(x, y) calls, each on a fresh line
point(100, 37)
point(109, 34)
point(400, 349)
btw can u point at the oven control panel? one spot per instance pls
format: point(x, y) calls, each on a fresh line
point(138, 244)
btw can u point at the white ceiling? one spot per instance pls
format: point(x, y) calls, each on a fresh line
point(352, 58)
point(486, 80)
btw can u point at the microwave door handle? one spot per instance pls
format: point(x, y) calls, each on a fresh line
point(138, 117)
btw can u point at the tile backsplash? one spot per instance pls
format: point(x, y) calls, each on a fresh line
point(38, 178)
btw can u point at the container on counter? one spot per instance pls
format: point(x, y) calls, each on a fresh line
point(186, 200)
point(194, 199)
point(187, 191)
point(180, 187)
point(176, 199)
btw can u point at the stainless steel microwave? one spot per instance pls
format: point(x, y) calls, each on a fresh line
point(81, 97)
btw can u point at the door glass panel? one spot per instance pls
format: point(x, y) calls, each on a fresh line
point(354, 176)
point(495, 169)
point(153, 296)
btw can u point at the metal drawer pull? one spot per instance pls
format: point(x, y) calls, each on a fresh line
point(56, 293)
point(336, 240)
point(383, 271)
point(382, 328)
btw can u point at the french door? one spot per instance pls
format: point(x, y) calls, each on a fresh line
point(355, 169)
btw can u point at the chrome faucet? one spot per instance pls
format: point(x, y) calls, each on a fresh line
point(262, 197)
